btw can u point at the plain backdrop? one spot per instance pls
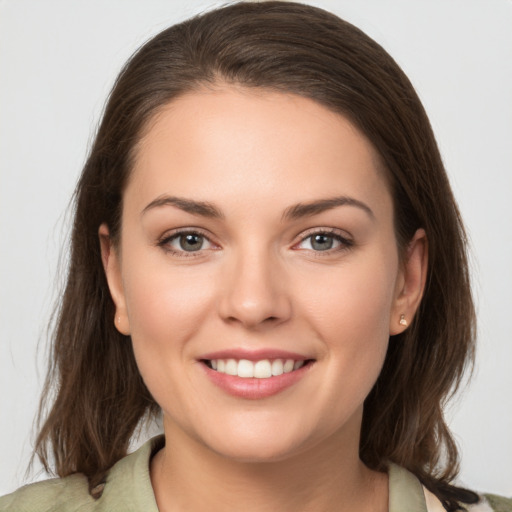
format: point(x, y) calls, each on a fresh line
point(58, 60)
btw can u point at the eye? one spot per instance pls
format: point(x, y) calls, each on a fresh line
point(186, 242)
point(324, 241)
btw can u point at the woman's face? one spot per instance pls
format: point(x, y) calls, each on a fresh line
point(257, 229)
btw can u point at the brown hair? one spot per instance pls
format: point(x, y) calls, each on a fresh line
point(293, 48)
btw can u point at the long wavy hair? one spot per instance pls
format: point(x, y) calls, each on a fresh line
point(94, 396)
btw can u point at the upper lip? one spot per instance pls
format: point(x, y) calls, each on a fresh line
point(254, 355)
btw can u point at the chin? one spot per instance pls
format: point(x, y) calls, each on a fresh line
point(257, 451)
point(260, 445)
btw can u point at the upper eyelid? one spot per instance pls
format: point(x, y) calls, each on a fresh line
point(173, 233)
point(341, 233)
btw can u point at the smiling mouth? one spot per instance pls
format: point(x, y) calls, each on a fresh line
point(262, 369)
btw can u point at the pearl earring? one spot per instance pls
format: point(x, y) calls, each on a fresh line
point(403, 321)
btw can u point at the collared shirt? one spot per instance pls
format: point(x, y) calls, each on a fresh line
point(128, 488)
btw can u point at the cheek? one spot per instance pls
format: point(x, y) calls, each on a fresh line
point(349, 310)
point(166, 306)
point(351, 300)
point(166, 309)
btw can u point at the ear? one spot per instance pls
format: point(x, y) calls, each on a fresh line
point(410, 283)
point(112, 267)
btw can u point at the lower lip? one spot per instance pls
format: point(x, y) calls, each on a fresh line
point(252, 388)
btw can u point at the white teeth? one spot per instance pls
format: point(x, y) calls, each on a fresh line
point(262, 369)
point(245, 368)
point(277, 367)
point(231, 367)
point(288, 365)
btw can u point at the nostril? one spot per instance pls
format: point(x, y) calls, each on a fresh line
point(270, 319)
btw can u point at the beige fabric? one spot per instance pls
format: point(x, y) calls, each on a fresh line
point(434, 505)
point(405, 491)
point(128, 489)
point(483, 506)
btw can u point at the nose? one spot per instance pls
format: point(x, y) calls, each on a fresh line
point(254, 291)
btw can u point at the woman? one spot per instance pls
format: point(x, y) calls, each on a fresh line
point(266, 249)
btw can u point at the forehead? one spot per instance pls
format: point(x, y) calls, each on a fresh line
point(249, 144)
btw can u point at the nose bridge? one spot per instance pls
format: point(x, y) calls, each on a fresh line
point(254, 289)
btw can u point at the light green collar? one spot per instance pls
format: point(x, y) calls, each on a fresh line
point(405, 491)
point(132, 475)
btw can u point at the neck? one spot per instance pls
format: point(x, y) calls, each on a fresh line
point(186, 475)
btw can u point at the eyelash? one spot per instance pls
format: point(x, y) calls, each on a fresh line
point(164, 243)
point(345, 243)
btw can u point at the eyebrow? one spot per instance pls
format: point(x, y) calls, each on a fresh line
point(297, 211)
point(201, 208)
point(315, 207)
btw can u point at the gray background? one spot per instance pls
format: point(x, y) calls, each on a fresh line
point(58, 59)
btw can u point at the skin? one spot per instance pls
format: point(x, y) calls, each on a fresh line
point(257, 282)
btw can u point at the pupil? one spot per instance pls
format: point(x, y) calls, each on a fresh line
point(191, 242)
point(322, 242)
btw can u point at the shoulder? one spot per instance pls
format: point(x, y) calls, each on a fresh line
point(406, 493)
point(487, 503)
point(127, 487)
point(494, 503)
point(56, 495)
